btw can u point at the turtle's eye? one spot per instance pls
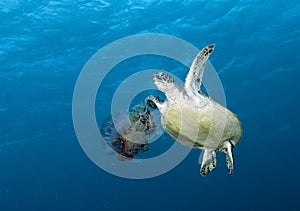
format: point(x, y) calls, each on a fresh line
point(164, 77)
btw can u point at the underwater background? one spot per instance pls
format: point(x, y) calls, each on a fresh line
point(44, 46)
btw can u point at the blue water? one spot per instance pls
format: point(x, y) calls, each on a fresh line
point(45, 44)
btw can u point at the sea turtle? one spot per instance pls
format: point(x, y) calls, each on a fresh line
point(127, 133)
point(193, 118)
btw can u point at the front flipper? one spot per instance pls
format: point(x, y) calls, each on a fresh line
point(227, 149)
point(194, 78)
point(208, 161)
point(154, 102)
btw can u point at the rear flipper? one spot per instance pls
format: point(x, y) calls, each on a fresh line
point(227, 149)
point(208, 161)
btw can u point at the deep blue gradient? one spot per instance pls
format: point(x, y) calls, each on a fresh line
point(43, 47)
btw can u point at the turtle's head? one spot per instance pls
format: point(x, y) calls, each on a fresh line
point(164, 82)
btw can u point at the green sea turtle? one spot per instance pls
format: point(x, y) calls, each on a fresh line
point(127, 133)
point(193, 118)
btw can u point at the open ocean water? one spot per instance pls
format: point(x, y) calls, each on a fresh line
point(45, 44)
